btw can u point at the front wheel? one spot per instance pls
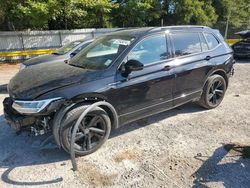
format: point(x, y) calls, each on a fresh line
point(213, 92)
point(93, 131)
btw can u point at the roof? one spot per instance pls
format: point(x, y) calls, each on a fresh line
point(145, 30)
point(133, 32)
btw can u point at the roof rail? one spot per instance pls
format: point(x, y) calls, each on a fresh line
point(184, 26)
point(178, 26)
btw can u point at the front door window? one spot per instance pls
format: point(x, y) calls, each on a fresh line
point(150, 50)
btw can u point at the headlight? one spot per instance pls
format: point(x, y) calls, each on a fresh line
point(22, 66)
point(32, 107)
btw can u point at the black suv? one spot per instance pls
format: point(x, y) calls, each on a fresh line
point(138, 72)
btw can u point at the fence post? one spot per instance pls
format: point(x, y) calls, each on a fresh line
point(60, 38)
point(22, 42)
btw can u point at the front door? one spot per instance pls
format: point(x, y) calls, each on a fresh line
point(147, 91)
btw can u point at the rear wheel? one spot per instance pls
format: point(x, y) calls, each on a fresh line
point(93, 131)
point(213, 92)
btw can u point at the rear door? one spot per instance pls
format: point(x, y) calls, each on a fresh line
point(191, 65)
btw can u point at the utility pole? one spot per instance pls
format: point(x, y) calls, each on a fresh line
point(226, 30)
point(228, 18)
point(162, 23)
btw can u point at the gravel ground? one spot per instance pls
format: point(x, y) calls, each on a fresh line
point(184, 147)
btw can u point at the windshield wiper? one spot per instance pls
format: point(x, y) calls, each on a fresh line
point(74, 65)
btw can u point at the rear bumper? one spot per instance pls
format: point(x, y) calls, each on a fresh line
point(231, 72)
point(15, 120)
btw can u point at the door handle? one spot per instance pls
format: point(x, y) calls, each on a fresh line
point(207, 58)
point(167, 68)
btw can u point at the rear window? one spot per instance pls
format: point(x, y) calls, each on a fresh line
point(186, 43)
point(212, 41)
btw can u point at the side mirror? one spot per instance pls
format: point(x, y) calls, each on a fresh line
point(132, 65)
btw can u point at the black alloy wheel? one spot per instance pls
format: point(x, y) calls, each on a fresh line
point(93, 131)
point(216, 92)
point(213, 92)
point(90, 133)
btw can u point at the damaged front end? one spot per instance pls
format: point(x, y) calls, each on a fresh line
point(33, 116)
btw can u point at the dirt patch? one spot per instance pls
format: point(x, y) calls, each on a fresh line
point(129, 154)
point(94, 176)
point(178, 148)
point(7, 71)
point(7, 66)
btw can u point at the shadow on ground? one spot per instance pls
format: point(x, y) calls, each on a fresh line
point(243, 61)
point(229, 164)
point(24, 150)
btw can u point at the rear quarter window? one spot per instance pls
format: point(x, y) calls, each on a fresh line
point(186, 43)
point(203, 43)
point(211, 40)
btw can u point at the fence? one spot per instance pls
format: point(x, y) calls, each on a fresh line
point(28, 40)
point(21, 45)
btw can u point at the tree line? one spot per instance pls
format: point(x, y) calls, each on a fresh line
point(74, 14)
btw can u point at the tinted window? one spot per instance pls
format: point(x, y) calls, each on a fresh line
point(204, 45)
point(186, 43)
point(150, 50)
point(212, 41)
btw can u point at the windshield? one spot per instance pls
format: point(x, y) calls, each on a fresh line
point(66, 48)
point(102, 52)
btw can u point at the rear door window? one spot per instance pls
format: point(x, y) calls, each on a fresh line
point(186, 43)
point(212, 41)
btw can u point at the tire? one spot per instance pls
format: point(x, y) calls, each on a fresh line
point(213, 92)
point(99, 120)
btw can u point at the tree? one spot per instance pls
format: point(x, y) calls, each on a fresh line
point(74, 14)
point(8, 19)
point(237, 12)
point(232, 15)
point(136, 13)
point(64, 14)
point(34, 14)
point(98, 13)
point(190, 12)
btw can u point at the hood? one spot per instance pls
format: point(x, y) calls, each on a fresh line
point(45, 58)
point(36, 80)
point(244, 34)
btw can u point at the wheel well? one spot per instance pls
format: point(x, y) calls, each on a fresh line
point(112, 116)
point(223, 74)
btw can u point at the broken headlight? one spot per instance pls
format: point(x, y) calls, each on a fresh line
point(32, 107)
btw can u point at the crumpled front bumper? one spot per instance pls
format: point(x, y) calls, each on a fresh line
point(14, 119)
